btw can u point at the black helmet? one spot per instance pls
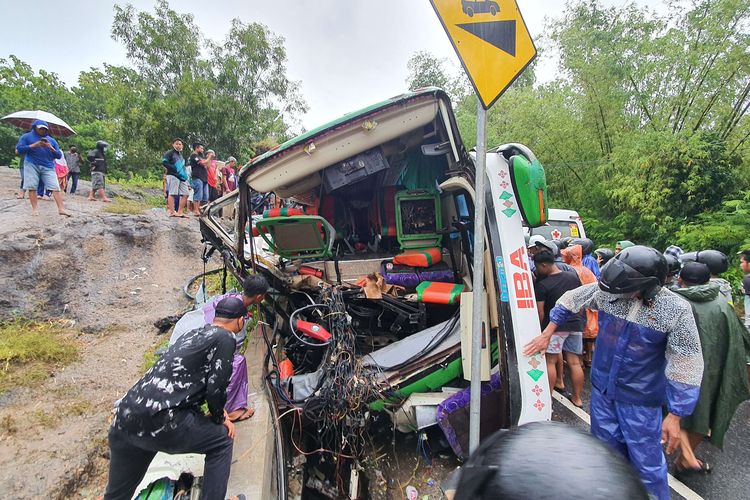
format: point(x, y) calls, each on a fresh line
point(102, 145)
point(560, 244)
point(673, 265)
point(501, 468)
point(716, 261)
point(605, 254)
point(635, 269)
point(566, 242)
point(586, 244)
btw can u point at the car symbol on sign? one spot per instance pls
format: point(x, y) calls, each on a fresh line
point(479, 7)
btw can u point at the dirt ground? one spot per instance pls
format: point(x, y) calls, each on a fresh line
point(111, 276)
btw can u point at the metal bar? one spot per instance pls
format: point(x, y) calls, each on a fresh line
point(478, 282)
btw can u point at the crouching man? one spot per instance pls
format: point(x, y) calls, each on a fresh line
point(647, 353)
point(161, 412)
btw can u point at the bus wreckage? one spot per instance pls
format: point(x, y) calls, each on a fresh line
point(368, 319)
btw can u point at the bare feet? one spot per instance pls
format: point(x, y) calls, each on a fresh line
point(106, 200)
point(65, 214)
point(35, 213)
point(92, 199)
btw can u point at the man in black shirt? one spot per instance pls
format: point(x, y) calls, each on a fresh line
point(553, 283)
point(199, 172)
point(98, 164)
point(162, 411)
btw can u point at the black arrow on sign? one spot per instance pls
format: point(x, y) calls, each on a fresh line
point(501, 34)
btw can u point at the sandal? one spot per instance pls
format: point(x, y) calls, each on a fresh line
point(705, 468)
point(249, 412)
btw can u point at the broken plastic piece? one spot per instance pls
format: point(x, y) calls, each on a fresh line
point(313, 330)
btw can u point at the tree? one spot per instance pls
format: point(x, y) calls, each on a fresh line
point(426, 70)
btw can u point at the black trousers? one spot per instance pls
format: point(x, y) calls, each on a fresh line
point(131, 455)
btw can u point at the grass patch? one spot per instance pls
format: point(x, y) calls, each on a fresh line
point(213, 284)
point(150, 357)
point(126, 207)
point(31, 350)
point(137, 181)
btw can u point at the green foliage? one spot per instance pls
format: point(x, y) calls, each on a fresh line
point(231, 94)
point(645, 132)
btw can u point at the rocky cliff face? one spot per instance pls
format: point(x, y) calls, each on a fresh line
point(109, 277)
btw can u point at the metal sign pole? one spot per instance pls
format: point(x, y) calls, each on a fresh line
point(478, 282)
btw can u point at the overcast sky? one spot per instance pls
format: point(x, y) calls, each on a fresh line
point(346, 53)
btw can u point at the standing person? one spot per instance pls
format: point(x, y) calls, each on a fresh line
point(73, 159)
point(176, 179)
point(622, 245)
point(198, 166)
point(673, 269)
point(98, 164)
point(717, 263)
point(647, 353)
point(21, 193)
point(212, 176)
point(588, 260)
point(573, 255)
point(162, 411)
point(552, 284)
point(41, 151)
point(61, 170)
point(745, 266)
point(229, 183)
point(724, 341)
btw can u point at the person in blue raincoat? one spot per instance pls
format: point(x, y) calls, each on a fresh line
point(648, 354)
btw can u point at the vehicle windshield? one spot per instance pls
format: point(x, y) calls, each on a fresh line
point(556, 229)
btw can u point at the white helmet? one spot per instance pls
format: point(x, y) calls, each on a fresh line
point(537, 238)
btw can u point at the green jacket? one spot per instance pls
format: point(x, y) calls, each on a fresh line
point(724, 340)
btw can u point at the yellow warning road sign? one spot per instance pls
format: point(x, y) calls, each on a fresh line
point(491, 40)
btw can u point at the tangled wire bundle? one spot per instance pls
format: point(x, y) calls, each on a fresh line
point(339, 406)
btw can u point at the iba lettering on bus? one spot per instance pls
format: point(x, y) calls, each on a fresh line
point(522, 279)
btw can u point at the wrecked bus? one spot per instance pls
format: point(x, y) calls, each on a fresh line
point(370, 268)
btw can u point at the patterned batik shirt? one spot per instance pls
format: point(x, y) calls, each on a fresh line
point(194, 369)
point(647, 355)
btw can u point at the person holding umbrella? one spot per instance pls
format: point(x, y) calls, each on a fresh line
point(41, 151)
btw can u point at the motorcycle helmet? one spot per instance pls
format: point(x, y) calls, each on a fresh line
point(635, 269)
point(102, 145)
point(586, 244)
point(605, 254)
point(501, 468)
point(716, 261)
point(673, 265)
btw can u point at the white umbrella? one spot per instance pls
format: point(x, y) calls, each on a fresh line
point(24, 119)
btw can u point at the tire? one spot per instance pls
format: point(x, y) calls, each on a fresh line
point(493, 10)
point(470, 11)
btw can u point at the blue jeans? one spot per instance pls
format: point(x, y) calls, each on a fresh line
point(200, 190)
point(74, 182)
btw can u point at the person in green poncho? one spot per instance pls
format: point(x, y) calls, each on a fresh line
point(622, 245)
point(724, 341)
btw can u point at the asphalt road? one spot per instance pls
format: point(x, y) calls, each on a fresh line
point(730, 477)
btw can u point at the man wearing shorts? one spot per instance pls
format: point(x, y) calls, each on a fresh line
point(176, 179)
point(568, 338)
point(199, 168)
point(40, 152)
point(98, 164)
